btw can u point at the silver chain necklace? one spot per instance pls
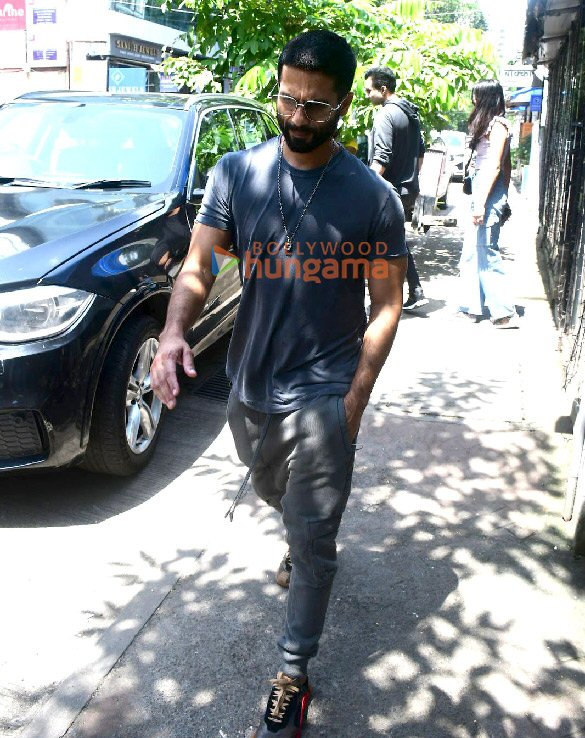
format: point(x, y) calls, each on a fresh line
point(289, 237)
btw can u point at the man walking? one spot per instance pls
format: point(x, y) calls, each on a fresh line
point(396, 152)
point(310, 224)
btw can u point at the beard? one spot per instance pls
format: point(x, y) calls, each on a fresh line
point(320, 133)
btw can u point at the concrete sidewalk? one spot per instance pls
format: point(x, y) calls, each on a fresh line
point(458, 610)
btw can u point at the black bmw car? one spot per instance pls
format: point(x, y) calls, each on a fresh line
point(98, 194)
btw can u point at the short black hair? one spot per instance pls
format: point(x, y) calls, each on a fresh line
point(321, 51)
point(382, 77)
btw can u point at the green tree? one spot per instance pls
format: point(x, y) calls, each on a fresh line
point(437, 63)
point(457, 120)
point(249, 34)
point(463, 12)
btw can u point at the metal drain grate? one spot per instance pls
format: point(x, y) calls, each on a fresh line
point(216, 387)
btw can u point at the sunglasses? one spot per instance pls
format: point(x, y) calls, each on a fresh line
point(318, 112)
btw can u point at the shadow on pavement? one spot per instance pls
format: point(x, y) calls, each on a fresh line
point(425, 311)
point(437, 252)
point(434, 626)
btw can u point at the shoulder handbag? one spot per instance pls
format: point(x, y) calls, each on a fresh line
point(466, 175)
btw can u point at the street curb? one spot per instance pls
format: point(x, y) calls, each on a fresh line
point(60, 711)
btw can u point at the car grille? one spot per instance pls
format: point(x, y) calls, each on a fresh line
point(19, 435)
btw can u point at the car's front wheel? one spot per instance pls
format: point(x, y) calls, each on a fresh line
point(127, 414)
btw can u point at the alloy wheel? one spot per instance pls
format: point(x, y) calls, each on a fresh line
point(143, 407)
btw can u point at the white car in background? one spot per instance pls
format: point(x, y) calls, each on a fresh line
point(455, 142)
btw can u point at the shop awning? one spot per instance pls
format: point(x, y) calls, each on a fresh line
point(524, 96)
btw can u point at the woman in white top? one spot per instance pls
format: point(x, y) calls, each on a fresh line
point(484, 283)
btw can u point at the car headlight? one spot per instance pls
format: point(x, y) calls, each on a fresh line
point(40, 312)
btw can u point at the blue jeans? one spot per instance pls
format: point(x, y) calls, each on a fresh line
point(483, 279)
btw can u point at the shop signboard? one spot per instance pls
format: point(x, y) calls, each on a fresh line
point(167, 83)
point(127, 79)
point(12, 15)
point(46, 43)
point(134, 49)
point(12, 34)
point(517, 75)
point(536, 102)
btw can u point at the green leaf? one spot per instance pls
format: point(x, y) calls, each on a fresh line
point(437, 62)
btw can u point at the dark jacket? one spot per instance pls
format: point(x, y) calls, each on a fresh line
point(396, 143)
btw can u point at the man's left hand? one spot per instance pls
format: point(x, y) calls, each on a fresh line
point(353, 413)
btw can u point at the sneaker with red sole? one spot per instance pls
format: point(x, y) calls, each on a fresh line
point(286, 711)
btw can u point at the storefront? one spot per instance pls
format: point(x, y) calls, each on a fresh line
point(130, 64)
point(46, 44)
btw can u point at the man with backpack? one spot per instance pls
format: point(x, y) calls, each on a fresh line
point(396, 152)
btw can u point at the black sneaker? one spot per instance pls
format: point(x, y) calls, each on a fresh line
point(415, 299)
point(287, 707)
point(284, 570)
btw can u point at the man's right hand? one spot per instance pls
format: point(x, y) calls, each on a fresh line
point(172, 350)
point(189, 296)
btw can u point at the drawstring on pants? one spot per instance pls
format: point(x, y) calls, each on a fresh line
point(242, 491)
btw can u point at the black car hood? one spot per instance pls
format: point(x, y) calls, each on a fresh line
point(42, 228)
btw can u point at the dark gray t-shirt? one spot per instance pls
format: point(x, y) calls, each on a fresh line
point(301, 320)
point(396, 143)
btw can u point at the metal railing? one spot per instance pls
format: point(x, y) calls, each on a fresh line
point(562, 200)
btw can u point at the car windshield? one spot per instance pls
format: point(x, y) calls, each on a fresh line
point(69, 143)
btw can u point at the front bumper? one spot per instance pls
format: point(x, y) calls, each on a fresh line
point(45, 393)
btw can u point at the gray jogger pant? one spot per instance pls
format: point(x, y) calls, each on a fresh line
point(303, 470)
